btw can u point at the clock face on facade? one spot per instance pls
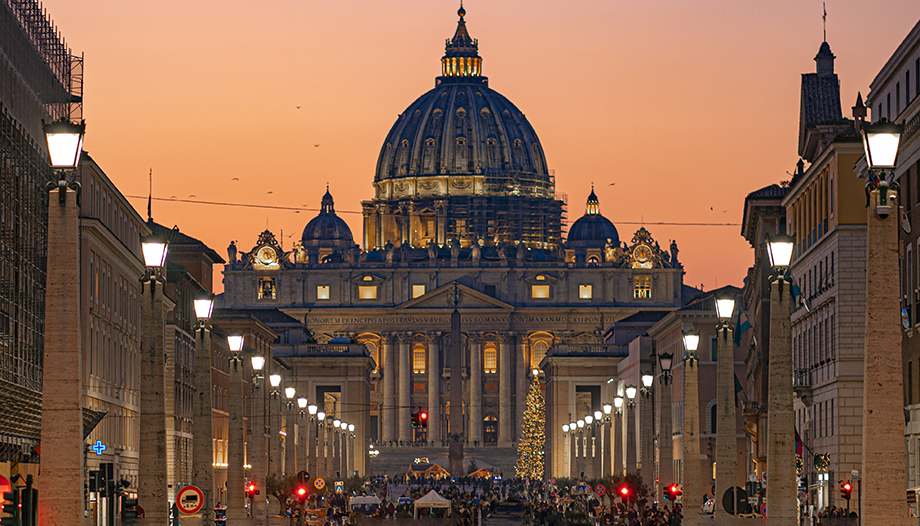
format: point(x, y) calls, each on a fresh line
point(266, 256)
point(643, 256)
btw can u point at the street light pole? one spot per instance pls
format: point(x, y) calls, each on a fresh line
point(665, 442)
point(726, 441)
point(692, 480)
point(631, 430)
point(202, 430)
point(61, 467)
point(290, 432)
point(618, 436)
point(320, 461)
point(236, 503)
point(311, 441)
point(781, 503)
point(884, 470)
point(257, 452)
point(151, 490)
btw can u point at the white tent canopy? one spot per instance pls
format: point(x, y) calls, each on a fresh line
point(431, 500)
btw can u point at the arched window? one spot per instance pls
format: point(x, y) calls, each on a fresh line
point(490, 359)
point(490, 429)
point(418, 358)
point(539, 352)
point(713, 418)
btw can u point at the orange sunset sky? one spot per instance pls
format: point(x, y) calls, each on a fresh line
point(687, 105)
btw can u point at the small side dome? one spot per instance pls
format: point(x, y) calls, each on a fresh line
point(327, 230)
point(592, 230)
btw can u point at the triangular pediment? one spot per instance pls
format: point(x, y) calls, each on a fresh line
point(442, 298)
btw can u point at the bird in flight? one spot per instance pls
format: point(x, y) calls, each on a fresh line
point(316, 146)
point(235, 179)
point(172, 197)
point(611, 184)
point(298, 107)
point(269, 192)
point(191, 196)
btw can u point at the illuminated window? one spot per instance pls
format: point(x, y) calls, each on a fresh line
point(367, 293)
point(541, 278)
point(322, 292)
point(418, 290)
point(266, 288)
point(368, 278)
point(642, 287)
point(490, 359)
point(539, 291)
point(584, 292)
point(418, 358)
point(539, 352)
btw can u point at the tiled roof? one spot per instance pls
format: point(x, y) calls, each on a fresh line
point(180, 242)
point(820, 99)
point(774, 191)
point(644, 317)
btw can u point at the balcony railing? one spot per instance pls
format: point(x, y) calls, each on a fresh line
point(322, 349)
point(801, 379)
point(589, 349)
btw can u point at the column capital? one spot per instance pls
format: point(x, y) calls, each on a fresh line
point(474, 337)
point(508, 338)
point(403, 337)
point(434, 336)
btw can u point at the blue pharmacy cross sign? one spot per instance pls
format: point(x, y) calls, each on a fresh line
point(98, 447)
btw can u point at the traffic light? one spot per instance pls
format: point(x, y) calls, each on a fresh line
point(126, 503)
point(673, 492)
point(624, 491)
point(301, 493)
point(415, 422)
point(251, 490)
point(12, 507)
point(846, 489)
point(423, 419)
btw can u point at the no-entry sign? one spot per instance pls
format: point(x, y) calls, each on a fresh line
point(189, 499)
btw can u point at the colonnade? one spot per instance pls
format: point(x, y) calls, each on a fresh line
point(511, 371)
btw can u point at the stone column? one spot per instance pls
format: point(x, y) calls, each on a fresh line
point(389, 414)
point(647, 439)
point(521, 378)
point(726, 441)
point(606, 469)
point(693, 483)
point(475, 425)
point(781, 500)
point(319, 460)
point(405, 389)
point(275, 453)
point(328, 472)
point(257, 451)
point(631, 437)
point(434, 387)
point(884, 470)
point(665, 442)
point(151, 490)
point(597, 432)
point(61, 474)
point(618, 442)
point(505, 415)
point(311, 447)
point(236, 501)
point(573, 454)
point(336, 453)
point(202, 431)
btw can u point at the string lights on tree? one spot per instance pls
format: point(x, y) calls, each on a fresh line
point(531, 446)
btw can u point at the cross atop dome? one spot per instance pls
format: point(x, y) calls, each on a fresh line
point(461, 53)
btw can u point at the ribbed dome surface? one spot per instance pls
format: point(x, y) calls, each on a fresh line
point(462, 127)
point(327, 230)
point(592, 231)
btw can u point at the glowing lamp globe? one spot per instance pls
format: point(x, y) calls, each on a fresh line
point(65, 142)
point(880, 143)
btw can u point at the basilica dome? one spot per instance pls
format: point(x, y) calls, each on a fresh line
point(592, 230)
point(462, 127)
point(327, 230)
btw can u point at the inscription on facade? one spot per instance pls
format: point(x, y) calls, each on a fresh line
point(442, 320)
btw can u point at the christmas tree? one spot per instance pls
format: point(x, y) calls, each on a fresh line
point(530, 448)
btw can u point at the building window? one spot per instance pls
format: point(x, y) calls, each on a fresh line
point(418, 290)
point(584, 292)
point(539, 352)
point(489, 290)
point(714, 349)
point(266, 288)
point(418, 358)
point(642, 287)
point(830, 196)
point(367, 293)
point(490, 359)
point(539, 291)
point(322, 292)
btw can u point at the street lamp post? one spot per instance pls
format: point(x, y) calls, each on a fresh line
point(726, 441)
point(565, 437)
point(236, 512)
point(257, 453)
point(311, 441)
point(598, 447)
point(665, 442)
point(693, 484)
point(589, 451)
point(202, 425)
point(883, 456)
point(618, 435)
point(647, 433)
point(290, 432)
point(343, 450)
point(61, 477)
point(579, 448)
point(782, 503)
point(608, 443)
point(631, 429)
point(321, 445)
point(351, 445)
point(151, 490)
point(336, 450)
point(275, 457)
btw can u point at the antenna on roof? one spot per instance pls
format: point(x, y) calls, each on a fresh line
point(824, 18)
point(150, 197)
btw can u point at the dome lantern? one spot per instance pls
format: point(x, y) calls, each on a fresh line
point(461, 53)
point(593, 208)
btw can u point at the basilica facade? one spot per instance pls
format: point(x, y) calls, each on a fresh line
point(465, 216)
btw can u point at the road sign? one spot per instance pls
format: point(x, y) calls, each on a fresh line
point(764, 477)
point(600, 490)
point(303, 477)
point(802, 497)
point(319, 483)
point(763, 510)
point(339, 487)
point(189, 499)
point(552, 481)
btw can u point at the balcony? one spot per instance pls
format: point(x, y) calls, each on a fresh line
point(589, 349)
point(801, 385)
point(321, 349)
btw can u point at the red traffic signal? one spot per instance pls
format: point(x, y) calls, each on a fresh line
point(624, 491)
point(251, 490)
point(301, 493)
point(423, 416)
point(846, 489)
